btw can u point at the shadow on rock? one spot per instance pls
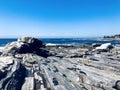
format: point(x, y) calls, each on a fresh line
point(26, 45)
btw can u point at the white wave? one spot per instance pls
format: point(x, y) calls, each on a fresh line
point(1, 49)
point(51, 44)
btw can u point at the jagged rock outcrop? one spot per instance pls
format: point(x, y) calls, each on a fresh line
point(26, 45)
point(69, 68)
point(33, 43)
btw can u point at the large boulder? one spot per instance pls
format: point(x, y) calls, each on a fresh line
point(33, 42)
point(104, 47)
point(25, 45)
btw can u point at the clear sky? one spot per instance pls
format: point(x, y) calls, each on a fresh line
point(59, 18)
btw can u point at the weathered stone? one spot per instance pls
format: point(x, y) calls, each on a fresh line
point(12, 75)
point(33, 42)
point(104, 47)
point(95, 45)
point(29, 84)
point(32, 71)
point(26, 45)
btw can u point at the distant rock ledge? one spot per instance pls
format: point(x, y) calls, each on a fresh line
point(114, 37)
point(28, 64)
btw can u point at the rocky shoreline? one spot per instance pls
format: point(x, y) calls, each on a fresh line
point(114, 37)
point(28, 64)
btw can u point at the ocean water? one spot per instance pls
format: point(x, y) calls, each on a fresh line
point(64, 41)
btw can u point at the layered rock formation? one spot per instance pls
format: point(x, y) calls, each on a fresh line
point(25, 45)
point(29, 66)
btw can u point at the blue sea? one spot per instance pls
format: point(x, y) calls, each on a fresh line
point(64, 41)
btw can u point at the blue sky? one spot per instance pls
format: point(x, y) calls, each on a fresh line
point(59, 18)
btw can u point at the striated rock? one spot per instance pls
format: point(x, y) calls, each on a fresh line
point(25, 45)
point(12, 48)
point(33, 43)
point(12, 74)
point(78, 69)
point(28, 84)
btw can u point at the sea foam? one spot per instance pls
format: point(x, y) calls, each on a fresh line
point(1, 49)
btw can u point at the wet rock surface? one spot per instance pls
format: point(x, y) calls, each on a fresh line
point(64, 68)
